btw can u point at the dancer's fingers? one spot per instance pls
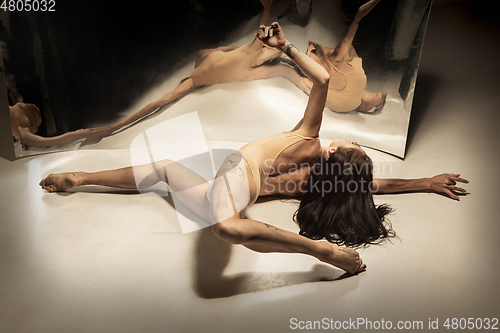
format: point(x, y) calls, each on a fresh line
point(457, 178)
point(451, 194)
point(458, 189)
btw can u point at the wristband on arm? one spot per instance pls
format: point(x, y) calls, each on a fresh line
point(288, 49)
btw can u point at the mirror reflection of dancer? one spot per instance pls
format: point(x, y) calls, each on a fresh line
point(253, 61)
point(346, 92)
point(268, 166)
point(212, 66)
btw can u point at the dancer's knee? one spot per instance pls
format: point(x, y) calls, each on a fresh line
point(229, 231)
point(160, 167)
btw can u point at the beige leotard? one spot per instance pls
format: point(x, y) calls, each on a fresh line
point(348, 98)
point(251, 166)
point(261, 156)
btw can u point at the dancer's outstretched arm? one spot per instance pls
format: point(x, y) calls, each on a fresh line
point(311, 122)
point(443, 183)
point(342, 50)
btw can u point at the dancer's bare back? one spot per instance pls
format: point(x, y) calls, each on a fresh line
point(235, 65)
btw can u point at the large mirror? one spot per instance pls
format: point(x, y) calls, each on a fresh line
point(94, 74)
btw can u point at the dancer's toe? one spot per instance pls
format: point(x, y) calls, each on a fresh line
point(60, 181)
point(361, 267)
point(342, 257)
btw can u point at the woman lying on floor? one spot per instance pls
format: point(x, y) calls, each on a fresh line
point(253, 61)
point(292, 164)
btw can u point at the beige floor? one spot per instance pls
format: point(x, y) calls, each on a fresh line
point(96, 260)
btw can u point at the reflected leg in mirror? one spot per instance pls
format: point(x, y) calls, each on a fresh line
point(372, 102)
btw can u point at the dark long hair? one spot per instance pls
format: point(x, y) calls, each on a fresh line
point(338, 204)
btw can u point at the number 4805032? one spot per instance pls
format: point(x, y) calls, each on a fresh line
point(28, 5)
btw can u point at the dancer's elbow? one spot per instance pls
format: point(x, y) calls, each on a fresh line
point(322, 79)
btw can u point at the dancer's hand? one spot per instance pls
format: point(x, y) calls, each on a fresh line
point(272, 36)
point(446, 183)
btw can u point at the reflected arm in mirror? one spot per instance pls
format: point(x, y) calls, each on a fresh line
point(265, 13)
point(342, 50)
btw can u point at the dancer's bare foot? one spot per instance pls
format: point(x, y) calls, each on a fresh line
point(371, 102)
point(383, 97)
point(342, 257)
point(61, 181)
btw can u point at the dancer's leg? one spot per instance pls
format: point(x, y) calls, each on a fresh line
point(186, 184)
point(284, 71)
point(92, 135)
point(182, 90)
point(229, 224)
point(263, 237)
point(303, 83)
point(87, 136)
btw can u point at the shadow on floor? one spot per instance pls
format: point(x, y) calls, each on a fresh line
point(212, 257)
